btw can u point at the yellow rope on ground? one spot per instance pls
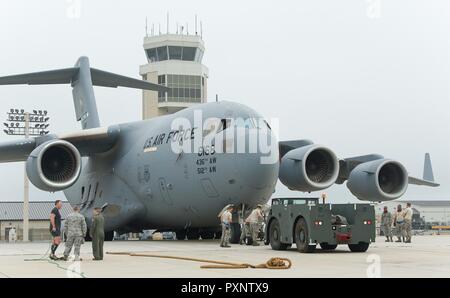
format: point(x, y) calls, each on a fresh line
point(272, 263)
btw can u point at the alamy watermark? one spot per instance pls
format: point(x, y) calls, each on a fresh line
point(374, 267)
point(73, 9)
point(205, 136)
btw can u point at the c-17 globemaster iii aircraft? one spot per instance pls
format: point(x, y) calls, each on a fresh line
point(177, 172)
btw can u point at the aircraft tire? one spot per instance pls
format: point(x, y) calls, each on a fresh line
point(180, 234)
point(235, 233)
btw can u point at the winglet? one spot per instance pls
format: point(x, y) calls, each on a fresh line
point(428, 169)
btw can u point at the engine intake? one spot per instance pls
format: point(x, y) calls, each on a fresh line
point(54, 165)
point(309, 168)
point(378, 180)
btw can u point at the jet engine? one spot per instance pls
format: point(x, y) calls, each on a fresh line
point(309, 168)
point(54, 165)
point(378, 180)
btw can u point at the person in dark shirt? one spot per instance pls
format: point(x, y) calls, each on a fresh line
point(55, 228)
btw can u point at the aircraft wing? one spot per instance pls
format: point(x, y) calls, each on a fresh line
point(88, 141)
point(348, 164)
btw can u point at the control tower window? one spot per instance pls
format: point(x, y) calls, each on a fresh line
point(188, 53)
point(151, 55)
point(198, 55)
point(175, 53)
point(184, 88)
point(161, 81)
point(162, 53)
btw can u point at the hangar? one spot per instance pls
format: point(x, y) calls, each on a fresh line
point(11, 215)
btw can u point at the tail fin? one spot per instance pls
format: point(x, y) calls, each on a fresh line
point(82, 78)
point(428, 169)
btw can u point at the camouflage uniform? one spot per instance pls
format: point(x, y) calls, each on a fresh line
point(386, 225)
point(254, 220)
point(399, 224)
point(245, 231)
point(407, 226)
point(225, 221)
point(75, 229)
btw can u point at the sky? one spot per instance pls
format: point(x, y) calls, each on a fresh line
point(359, 76)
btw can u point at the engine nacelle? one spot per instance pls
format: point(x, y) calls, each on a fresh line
point(54, 165)
point(378, 180)
point(309, 168)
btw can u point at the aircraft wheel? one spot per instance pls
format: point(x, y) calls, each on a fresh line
point(248, 240)
point(87, 237)
point(109, 236)
point(360, 247)
point(218, 235)
point(193, 234)
point(326, 246)
point(235, 233)
point(180, 234)
point(275, 236)
point(301, 236)
point(207, 235)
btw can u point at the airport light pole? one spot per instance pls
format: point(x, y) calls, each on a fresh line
point(18, 123)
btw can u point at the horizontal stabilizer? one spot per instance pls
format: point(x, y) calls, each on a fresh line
point(109, 79)
point(69, 75)
point(59, 76)
point(417, 181)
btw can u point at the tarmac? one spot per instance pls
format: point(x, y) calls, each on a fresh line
point(427, 256)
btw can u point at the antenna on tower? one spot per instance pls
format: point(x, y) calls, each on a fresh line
point(146, 27)
point(195, 24)
point(159, 28)
point(167, 23)
point(153, 29)
point(187, 28)
point(201, 29)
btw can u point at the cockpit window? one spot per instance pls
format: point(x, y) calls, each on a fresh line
point(224, 124)
point(246, 123)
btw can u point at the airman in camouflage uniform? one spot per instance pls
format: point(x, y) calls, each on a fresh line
point(75, 229)
point(386, 224)
point(225, 220)
point(254, 219)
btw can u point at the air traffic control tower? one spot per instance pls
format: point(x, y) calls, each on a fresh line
point(174, 60)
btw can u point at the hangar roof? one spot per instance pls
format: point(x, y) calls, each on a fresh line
point(39, 210)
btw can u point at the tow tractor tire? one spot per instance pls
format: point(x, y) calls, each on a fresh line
point(326, 246)
point(275, 236)
point(181, 234)
point(235, 235)
point(360, 247)
point(301, 236)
